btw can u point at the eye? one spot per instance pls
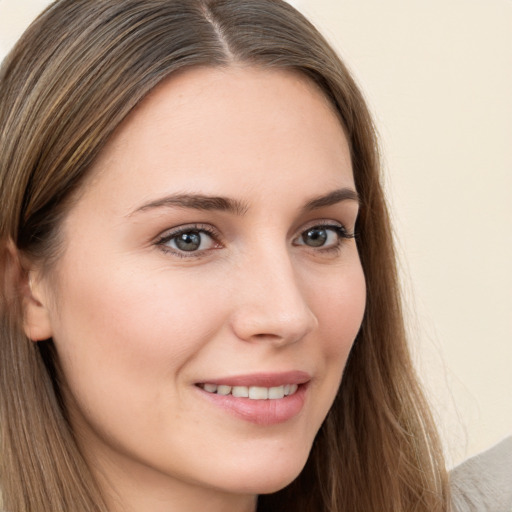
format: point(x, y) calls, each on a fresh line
point(188, 240)
point(327, 236)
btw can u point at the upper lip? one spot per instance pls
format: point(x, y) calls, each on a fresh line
point(263, 379)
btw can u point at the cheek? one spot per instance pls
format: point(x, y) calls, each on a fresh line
point(340, 308)
point(125, 341)
point(129, 331)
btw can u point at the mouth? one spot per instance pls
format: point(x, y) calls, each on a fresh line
point(251, 392)
point(263, 399)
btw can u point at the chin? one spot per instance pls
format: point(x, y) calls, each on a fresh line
point(268, 478)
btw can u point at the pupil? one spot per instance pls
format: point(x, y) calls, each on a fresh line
point(188, 241)
point(315, 237)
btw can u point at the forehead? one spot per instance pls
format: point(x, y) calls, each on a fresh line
point(211, 123)
point(234, 85)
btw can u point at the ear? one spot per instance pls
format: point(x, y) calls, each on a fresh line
point(36, 318)
point(23, 283)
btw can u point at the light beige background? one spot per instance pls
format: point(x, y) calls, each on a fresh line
point(438, 76)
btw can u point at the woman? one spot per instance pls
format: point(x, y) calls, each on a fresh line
point(195, 252)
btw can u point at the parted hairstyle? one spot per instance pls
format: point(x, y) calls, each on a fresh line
point(73, 77)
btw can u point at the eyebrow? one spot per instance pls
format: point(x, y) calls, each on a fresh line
point(332, 198)
point(225, 204)
point(196, 202)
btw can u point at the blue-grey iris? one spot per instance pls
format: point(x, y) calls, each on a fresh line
point(189, 241)
point(315, 237)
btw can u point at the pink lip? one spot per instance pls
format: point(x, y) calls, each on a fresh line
point(267, 380)
point(262, 412)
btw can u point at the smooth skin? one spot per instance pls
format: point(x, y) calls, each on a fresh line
point(160, 288)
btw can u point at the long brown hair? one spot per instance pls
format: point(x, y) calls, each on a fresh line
point(75, 74)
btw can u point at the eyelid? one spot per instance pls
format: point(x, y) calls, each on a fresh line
point(171, 233)
point(342, 233)
point(326, 223)
point(162, 240)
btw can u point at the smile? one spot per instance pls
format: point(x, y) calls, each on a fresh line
point(251, 392)
point(263, 398)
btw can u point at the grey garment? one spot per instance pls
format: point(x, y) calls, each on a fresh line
point(484, 483)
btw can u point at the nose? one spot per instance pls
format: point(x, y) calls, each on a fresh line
point(270, 302)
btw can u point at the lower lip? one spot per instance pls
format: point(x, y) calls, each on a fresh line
point(261, 412)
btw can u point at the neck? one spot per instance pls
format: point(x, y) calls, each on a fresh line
point(141, 489)
point(140, 501)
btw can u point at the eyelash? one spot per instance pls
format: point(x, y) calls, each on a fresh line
point(192, 228)
point(340, 230)
point(163, 240)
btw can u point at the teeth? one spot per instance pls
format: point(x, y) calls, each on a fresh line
point(252, 392)
point(293, 389)
point(274, 393)
point(223, 390)
point(240, 391)
point(257, 393)
point(211, 388)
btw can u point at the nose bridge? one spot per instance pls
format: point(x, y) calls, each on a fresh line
point(272, 304)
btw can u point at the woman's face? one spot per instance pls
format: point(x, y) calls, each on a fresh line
point(209, 257)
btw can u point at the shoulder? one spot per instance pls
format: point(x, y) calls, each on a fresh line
point(484, 482)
